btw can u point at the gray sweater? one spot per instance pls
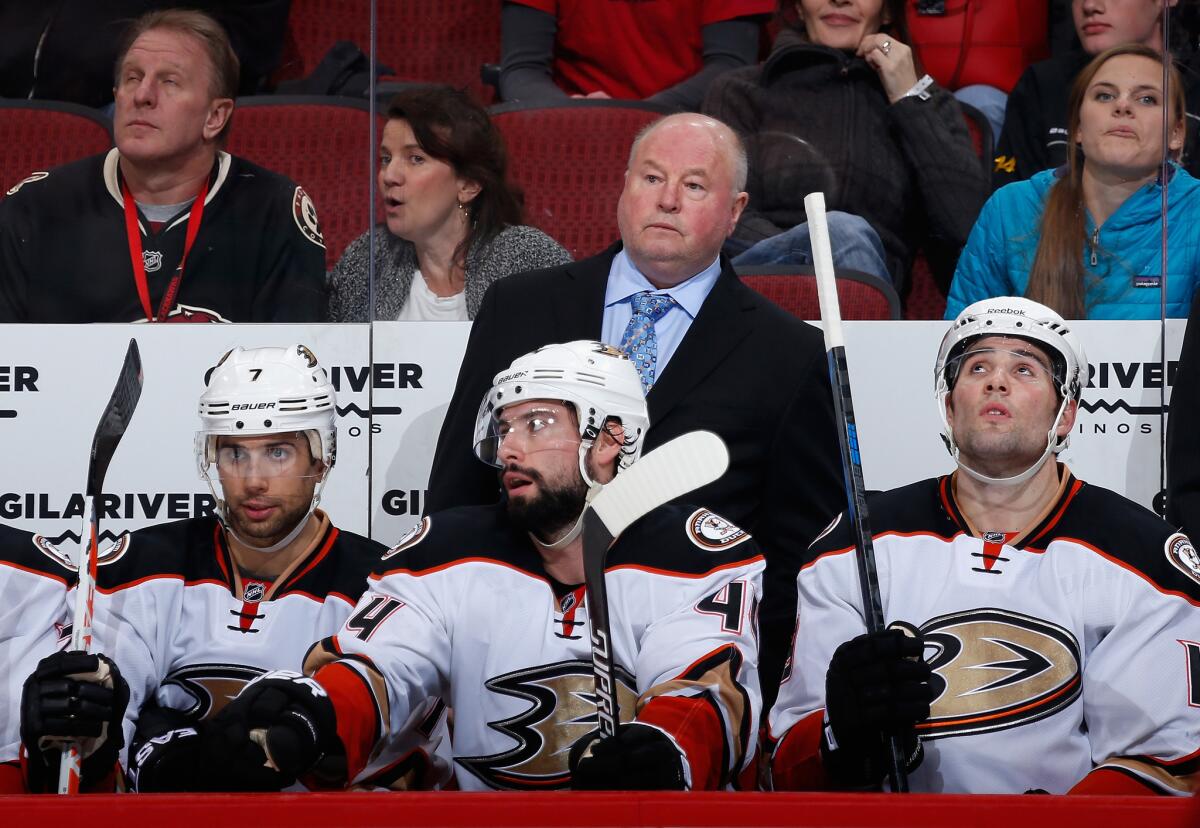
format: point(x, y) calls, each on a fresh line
point(513, 250)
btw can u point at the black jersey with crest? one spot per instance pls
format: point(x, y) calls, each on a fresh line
point(65, 255)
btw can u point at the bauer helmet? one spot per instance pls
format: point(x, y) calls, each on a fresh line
point(1019, 318)
point(596, 379)
point(257, 391)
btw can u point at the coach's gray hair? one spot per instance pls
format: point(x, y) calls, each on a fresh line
point(737, 148)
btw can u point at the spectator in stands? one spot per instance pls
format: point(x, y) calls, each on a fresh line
point(166, 226)
point(65, 50)
point(713, 354)
point(1034, 137)
point(1086, 240)
point(663, 51)
point(453, 221)
point(838, 106)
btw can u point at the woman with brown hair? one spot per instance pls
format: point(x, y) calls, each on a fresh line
point(452, 220)
point(1086, 239)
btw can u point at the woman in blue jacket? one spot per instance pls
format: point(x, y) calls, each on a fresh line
point(1086, 239)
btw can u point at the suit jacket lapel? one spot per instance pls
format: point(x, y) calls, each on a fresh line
point(578, 299)
point(725, 318)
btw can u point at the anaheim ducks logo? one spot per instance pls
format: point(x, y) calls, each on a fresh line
point(562, 708)
point(1183, 556)
point(209, 687)
point(709, 530)
point(411, 538)
point(996, 669)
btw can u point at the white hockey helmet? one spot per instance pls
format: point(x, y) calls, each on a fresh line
point(1019, 318)
point(598, 380)
point(257, 391)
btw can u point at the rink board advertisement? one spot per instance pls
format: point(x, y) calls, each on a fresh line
point(394, 384)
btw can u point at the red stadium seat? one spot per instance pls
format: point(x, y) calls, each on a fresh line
point(442, 41)
point(38, 135)
point(570, 160)
point(861, 295)
point(325, 144)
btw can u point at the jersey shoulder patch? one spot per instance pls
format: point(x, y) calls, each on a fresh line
point(304, 212)
point(708, 530)
point(1182, 555)
point(410, 538)
point(35, 553)
point(682, 539)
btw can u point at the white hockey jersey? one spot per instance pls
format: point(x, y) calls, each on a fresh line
point(34, 577)
point(1069, 649)
point(188, 631)
point(465, 611)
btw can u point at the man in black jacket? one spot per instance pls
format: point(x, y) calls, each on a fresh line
point(1034, 137)
point(726, 359)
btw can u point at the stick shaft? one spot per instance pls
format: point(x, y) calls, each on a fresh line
point(596, 541)
point(843, 404)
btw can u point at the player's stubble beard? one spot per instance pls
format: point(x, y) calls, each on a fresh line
point(554, 510)
point(268, 532)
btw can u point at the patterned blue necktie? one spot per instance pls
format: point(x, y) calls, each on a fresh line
point(640, 341)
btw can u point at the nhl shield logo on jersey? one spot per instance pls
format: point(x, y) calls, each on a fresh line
point(1183, 556)
point(305, 214)
point(711, 531)
point(562, 699)
point(411, 538)
point(152, 260)
point(254, 592)
point(995, 669)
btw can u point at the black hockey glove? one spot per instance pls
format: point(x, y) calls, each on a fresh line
point(638, 758)
point(72, 696)
point(877, 685)
point(169, 753)
point(279, 727)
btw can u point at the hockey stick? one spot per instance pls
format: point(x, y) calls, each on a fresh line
point(852, 475)
point(109, 431)
point(673, 469)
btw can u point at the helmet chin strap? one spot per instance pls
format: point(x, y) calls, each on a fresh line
point(1022, 477)
point(288, 538)
point(593, 490)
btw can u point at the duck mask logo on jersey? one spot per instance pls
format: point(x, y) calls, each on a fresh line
point(995, 669)
point(562, 708)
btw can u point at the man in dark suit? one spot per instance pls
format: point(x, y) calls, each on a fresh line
point(725, 358)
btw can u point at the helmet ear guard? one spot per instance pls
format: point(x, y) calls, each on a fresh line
point(1018, 318)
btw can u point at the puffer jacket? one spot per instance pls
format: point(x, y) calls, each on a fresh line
point(1123, 276)
point(816, 118)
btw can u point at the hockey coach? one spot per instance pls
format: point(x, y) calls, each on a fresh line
point(485, 607)
point(1042, 632)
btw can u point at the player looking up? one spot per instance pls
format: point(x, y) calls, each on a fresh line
point(1042, 631)
point(485, 606)
point(193, 610)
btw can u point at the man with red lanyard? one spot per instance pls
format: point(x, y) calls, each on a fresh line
point(165, 227)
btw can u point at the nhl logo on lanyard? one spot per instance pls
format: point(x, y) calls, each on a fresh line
point(151, 260)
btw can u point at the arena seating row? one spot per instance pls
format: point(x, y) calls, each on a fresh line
point(569, 160)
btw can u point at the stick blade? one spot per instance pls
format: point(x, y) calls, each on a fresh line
point(115, 419)
point(675, 468)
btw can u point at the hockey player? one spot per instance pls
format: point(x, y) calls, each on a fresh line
point(34, 578)
point(193, 610)
point(1044, 633)
point(484, 606)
